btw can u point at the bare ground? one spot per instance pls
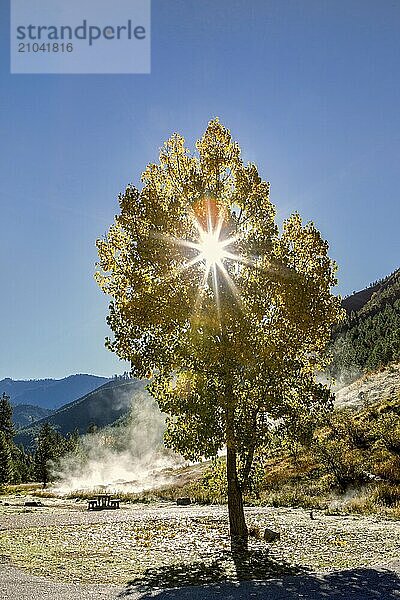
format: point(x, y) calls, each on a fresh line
point(146, 550)
point(369, 388)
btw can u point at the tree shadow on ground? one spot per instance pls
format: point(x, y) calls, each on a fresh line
point(227, 567)
point(256, 576)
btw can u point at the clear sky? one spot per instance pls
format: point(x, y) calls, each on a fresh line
point(311, 91)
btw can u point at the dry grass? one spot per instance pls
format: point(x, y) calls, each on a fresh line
point(190, 544)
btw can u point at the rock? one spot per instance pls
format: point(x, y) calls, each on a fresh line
point(254, 531)
point(183, 501)
point(33, 503)
point(271, 536)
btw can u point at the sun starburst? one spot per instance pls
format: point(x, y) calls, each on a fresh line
point(213, 248)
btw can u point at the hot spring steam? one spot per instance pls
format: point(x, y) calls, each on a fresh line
point(129, 457)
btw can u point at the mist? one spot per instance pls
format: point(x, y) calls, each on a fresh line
point(127, 457)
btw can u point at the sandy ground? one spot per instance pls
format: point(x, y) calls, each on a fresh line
point(146, 550)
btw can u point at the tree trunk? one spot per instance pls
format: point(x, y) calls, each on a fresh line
point(247, 468)
point(237, 523)
point(250, 456)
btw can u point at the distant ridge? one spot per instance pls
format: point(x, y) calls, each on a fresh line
point(50, 393)
point(359, 299)
point(370, 297)
point(100, 407)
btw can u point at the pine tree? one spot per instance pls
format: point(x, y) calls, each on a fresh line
point(6, 463)
point(22, 464)
point(6, 423)
point(48, 448)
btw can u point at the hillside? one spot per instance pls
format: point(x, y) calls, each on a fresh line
point(370, 388)
point(369, 338)
point(25, 414)
point(373, 297)
point(100, 407)
point(50, 393)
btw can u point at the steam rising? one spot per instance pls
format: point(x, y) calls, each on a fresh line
point(371, 387)
point(128, 457)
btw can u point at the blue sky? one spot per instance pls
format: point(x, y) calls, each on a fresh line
point(310, 89)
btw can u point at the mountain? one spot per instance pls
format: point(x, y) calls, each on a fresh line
point(50, 393)
point(101, 407)
point(374, 297)
point(25, 414)
point(369, 338)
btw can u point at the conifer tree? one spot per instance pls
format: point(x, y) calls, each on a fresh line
point(6, 423)
point(48, 448)
point(6, 463)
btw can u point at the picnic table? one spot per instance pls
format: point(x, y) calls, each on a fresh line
point(103, 501)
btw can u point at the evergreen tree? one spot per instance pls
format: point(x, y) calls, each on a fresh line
point(49, 446)
point(6, 423)
point(72, 442)
point(6, 463)
point(23, 465)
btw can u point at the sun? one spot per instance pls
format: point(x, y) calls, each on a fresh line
point(212, 250)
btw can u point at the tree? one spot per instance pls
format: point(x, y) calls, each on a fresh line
point(6, 439)
point(227, 317)
point(6, 463)
point(92, 428)
point(296, 431)
point(22, 465)
point(49, 446)
point(6, 423)
point(72, 442)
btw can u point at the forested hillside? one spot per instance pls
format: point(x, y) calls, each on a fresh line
point(370, 336)
point(25, 414)
point(100, 407)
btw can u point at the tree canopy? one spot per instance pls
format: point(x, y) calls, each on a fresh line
point(226, 315)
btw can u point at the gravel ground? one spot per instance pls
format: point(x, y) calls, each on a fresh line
point(144, 550)
point(18, 585)
point(359, 584)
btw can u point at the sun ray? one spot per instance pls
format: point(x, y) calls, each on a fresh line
point(231, 285)
point(212, 250)
point(216, 290)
